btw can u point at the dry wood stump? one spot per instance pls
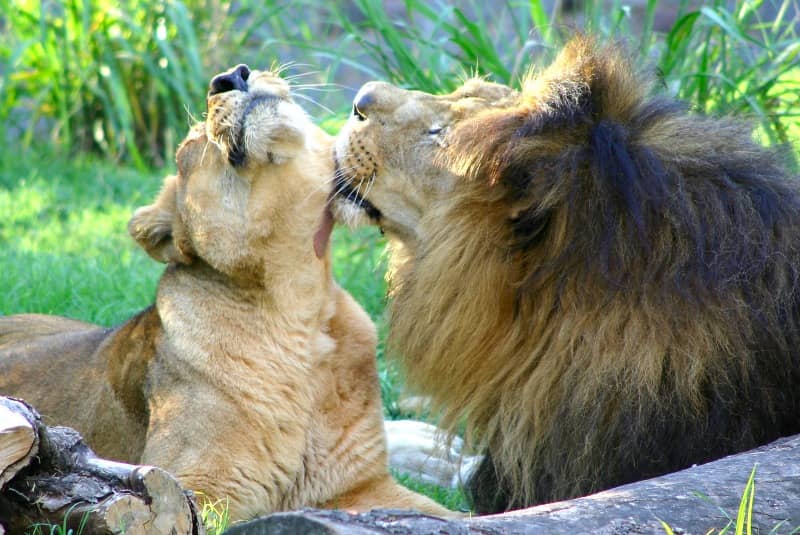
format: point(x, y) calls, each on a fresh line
point(50, 476)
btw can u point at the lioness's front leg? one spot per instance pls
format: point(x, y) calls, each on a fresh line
point(353, 399)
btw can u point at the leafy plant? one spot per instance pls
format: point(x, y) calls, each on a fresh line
point(719, 58)
point(122, 79)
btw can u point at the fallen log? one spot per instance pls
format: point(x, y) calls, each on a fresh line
point(18, 439)
point(694, 500)
point(50, 476)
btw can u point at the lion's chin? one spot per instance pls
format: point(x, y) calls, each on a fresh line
point(349, 213)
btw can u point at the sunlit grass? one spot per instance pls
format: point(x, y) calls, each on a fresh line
point(214, 516)
point(64, 247)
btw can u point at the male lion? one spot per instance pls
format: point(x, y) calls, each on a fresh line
point(602, 286)
point(253, 377)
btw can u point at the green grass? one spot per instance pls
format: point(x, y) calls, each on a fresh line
point(453, 499)
point(215, 517)
point(62, 528)
point(64, 247)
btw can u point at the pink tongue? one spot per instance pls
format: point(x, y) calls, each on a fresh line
point(323, 233)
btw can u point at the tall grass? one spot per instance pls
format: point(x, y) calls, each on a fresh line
point(123, 78)
point(118, 78)
point(720, 58)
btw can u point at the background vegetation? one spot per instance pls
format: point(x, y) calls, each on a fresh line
point(95, 95)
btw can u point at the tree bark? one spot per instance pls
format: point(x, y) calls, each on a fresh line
point(695, 500)
point(50, 476)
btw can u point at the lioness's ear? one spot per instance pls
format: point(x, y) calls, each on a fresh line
point(154, 227)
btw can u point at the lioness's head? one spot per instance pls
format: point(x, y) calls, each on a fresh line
point(253, 174)
point(386, 154)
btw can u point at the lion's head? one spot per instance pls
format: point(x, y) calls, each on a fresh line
point(588, 273)
point(386, 153)
point(251, 180)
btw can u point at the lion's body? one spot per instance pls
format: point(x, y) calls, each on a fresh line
point(253, 377)
point(602, 285)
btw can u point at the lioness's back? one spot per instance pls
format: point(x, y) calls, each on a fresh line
point(35, 350)
point(29, 326)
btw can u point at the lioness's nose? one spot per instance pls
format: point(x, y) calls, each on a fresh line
point(235, 78)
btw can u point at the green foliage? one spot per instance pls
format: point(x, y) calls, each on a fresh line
point(721, 59)
point(453, 499)
point(731, 61)
point(435, 45)
point(110, 78)
point(118, 78)
point(124, 79)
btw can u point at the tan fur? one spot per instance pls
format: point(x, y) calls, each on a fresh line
point(253, 377)
point(588, 277)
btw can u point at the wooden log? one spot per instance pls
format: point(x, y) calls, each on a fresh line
point(695, 500)
point(18, 439)
point(65, 483)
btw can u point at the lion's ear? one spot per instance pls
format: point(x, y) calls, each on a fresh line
point(154, 227)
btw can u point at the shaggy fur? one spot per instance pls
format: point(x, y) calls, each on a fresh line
point(606, 288)
point(252, 379)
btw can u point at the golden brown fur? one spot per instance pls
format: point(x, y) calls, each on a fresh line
point(600, 284)
point(253, 377)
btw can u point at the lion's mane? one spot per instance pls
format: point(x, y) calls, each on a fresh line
point(611, 293)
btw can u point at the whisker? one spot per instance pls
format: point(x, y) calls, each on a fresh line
point(312, 101)
point(370, 183)
point(317, 89)
point(319, 84)
point(280, 68)
point(301, 75)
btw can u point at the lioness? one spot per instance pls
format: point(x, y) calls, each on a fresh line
point(253, 376)
point(602, 286)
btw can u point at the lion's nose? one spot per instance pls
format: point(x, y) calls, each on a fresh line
point(364, 100)
point(234, 79)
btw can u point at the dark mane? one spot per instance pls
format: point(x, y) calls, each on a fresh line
point(611, 293)
point(648, 204)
